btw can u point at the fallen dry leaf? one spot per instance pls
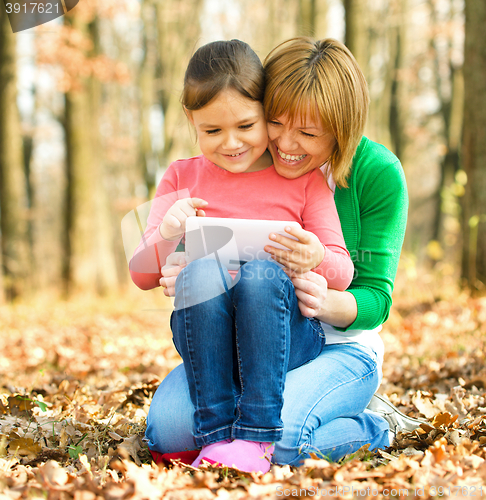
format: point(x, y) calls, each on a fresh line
point(24, 447)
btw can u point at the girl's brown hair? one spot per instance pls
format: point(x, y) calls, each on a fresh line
point(222, 65)
point(320, 80)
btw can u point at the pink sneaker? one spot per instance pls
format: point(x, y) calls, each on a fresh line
point(206, 449)
point(247, 456)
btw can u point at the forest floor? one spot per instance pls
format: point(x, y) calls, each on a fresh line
point(77, 377)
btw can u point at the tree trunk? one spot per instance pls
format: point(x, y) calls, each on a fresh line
point(452, 116)
point(382, 42)
point(148, 160)
point(399, 99)
point(266, 24)
point(474, 147)
point(450, 91)
point(178, 29)
point(80, 269)
point(356, 25)
point(13, 186)
point(306, 23)
point(90, 263)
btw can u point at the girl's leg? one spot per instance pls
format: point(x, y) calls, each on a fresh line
point(269, 327)
point(203, 336)
point(324, 406)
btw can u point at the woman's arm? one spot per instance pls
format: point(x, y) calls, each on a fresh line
point(373, 213)
point(382, 205)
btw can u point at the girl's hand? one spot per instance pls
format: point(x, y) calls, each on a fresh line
point(175, 263)
point(304, 254)
point(311, 291)
point(174, 223)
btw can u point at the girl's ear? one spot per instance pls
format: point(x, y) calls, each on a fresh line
point(189, 115)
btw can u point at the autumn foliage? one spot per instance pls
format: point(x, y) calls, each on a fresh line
point(78, 378)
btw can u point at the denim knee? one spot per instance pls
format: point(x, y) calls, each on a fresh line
point(199, 281)
point(170, 418)
point(200, 271)
point(260, 275)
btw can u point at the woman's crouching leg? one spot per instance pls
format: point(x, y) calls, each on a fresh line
point(343, 436)
point(170, 419)
point(324, 403)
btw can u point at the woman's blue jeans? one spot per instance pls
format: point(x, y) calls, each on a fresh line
point(238, 339)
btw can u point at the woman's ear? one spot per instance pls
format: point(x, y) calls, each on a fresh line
point(189, 115)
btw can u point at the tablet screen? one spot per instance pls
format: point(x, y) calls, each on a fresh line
point(233, 242)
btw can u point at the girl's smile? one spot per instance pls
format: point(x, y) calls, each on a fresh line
point(232, 132)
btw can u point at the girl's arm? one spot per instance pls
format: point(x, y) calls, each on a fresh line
point(151, 254)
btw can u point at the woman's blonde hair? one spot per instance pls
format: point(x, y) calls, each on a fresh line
point(320, 80)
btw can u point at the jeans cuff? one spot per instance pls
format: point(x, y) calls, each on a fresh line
point(260, 435)
point(213, 436)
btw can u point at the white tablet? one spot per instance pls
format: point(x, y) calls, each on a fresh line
point(233, 242)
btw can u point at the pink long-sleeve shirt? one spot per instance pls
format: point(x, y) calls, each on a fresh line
point(250, 195)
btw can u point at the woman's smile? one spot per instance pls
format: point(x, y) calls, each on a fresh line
point(298, 147)
point(290, 158)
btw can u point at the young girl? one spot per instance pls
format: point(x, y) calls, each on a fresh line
point(239, 340)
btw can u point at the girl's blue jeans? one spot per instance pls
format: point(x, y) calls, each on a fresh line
point(324, 400)
point(238, 339)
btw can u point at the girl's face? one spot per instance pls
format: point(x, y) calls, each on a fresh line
point(298, 147)
point(232, 132)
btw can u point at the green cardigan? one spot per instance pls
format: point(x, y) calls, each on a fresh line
point(373, 213)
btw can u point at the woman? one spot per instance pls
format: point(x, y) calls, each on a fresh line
point(316, 104)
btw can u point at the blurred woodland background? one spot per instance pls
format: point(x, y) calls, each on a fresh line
point(90, 117)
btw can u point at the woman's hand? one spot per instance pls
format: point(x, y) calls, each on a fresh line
point(311, 290)
point(302, 255)
point(175, 263)
point(174, 223)
point(333, 307)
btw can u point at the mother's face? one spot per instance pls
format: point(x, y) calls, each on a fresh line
point(298, 147)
